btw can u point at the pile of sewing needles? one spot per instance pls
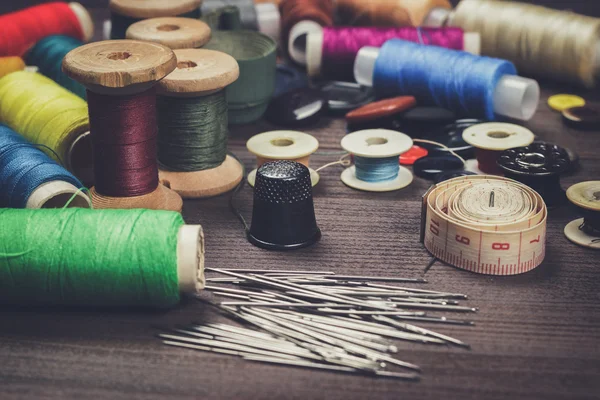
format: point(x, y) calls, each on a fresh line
point(320, 320)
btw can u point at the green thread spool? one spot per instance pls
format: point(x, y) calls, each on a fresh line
point(192, 125)
point(194, 132)
point(113, 258)
point(124, 13)
point(248, 97)
point(48, 54)
point(49, 115)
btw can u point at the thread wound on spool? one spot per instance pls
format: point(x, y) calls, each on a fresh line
point(454, 80)
point(192, 132)
point(124, 132)
point(485, 224)
point(24, 168)
point(43, 112)
point(514, 31)
point(341, 45)
point(22, 29)
point(48, 55)
point(105, 258)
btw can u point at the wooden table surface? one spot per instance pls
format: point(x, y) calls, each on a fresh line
point(537, 335)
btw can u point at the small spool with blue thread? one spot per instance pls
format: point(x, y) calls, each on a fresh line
point(283, 145)
point(469, 85)
point(31, 179)
point(376, 167)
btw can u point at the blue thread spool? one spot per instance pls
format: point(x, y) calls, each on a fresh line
point(469, 85)
point(31, 179)
point(376, 167)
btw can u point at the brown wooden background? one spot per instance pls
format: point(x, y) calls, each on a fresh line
point(537, 335)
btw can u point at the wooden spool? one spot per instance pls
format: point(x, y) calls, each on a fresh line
point(119, 68)
point(173, 32)
point(145, 9)
point(201, 73)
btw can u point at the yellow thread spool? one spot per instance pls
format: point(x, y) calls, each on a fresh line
point(49, 115)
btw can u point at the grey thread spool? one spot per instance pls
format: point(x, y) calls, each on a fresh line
point(192, 123)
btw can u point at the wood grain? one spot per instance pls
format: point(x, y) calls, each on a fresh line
point(537, 335)
point(173, 32)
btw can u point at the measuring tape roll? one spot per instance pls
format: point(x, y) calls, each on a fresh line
point(485, 224)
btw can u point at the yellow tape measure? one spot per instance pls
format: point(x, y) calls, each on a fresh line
point(485, 224)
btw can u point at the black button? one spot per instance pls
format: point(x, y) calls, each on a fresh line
point(343, 97)
point(430, 167)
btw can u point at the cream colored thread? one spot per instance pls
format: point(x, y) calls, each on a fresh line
point(342, 161)
point(443, 146)
point(540, 41)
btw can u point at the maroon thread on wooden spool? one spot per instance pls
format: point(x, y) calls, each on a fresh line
point(124, 133)
point(490, 139)
point(120, 76)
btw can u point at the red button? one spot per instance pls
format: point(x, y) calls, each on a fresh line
point(413, 155)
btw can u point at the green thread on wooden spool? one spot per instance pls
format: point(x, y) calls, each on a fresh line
point(79, 257)
point(192, 132)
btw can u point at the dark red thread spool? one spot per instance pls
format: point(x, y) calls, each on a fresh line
point(124, 133)
point(120, 76)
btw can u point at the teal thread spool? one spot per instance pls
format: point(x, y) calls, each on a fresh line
point(113, 258)
point(226, 18)
point(248, 97)
point(124, 13)
point(48, 55)
point(192, 125)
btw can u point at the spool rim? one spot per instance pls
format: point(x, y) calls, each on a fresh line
point(376, 143)
point(404, 178)
point(57, 194)
point(314, 52)
point(119, 64)
point(205, 183)
point(173, 32)
point(581, 195)
point(264, 145)
point(190, 259)
point(301, 29)
point(481, 136)
point(213, 71)
point(161, 198)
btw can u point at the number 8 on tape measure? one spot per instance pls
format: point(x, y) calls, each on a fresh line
point(485, 224)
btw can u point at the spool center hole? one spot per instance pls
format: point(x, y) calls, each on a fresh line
point(167, 28)
point(532, 159)
point(119, 55)
point(376, 141)
point(186, 64)
point(596, 195)
point(282, 142)
point(498, 135)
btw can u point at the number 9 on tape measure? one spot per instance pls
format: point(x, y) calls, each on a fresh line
point(485, 224)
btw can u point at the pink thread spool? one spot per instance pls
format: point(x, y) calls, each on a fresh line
point(331, 51)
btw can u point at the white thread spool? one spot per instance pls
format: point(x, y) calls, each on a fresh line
point(377, 143)
point(283, 145)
